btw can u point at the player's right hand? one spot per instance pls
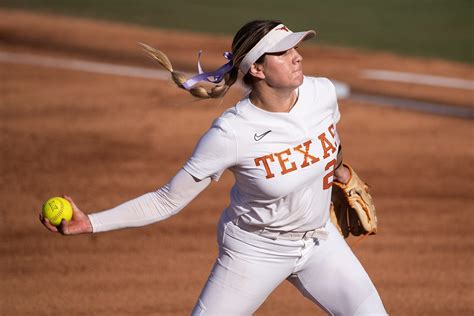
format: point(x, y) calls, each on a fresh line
point(79, 223)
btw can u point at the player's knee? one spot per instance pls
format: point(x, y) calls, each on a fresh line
point(218, 310)
point(372, 305)
point(199, 309)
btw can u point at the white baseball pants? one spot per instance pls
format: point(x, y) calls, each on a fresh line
point(249, 267)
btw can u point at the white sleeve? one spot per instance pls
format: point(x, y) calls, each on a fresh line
point(151, 207)
point(336, 114)
point(327, 97)
point(215, 152)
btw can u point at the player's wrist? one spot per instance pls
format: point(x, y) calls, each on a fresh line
point(89, 227)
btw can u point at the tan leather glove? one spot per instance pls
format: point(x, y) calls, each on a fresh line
point(352, 208)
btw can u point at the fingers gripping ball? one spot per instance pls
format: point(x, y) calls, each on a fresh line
point(56, 209)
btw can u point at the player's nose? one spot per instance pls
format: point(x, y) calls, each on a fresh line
point(297, 58)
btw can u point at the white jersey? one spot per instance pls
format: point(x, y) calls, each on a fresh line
point(282, 162)
point(283, 166)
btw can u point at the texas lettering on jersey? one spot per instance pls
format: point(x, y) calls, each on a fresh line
point(281, 162)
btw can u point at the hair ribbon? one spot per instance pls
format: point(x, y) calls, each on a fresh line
point(215, 76)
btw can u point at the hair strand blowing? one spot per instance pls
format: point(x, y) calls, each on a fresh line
point(179, 78)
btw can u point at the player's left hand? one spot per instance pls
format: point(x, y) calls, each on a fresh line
point(79, 223)
point(353, 211)
point(342, 174)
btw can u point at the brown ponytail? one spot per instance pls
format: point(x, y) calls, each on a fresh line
point(179, 78)
point(244, 40)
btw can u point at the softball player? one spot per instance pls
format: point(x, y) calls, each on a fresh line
point(281, 144)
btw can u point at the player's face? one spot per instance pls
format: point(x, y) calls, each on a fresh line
point(284, 69)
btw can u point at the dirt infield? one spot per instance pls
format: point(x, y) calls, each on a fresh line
point(104, 139)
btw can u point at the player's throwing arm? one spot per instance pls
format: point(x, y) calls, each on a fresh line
point(281, 143)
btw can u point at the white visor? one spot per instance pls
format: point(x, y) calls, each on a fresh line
point(279, 39)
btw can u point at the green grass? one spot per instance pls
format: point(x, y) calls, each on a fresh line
point(436, 28)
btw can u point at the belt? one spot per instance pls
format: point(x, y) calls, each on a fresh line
point(319, 233)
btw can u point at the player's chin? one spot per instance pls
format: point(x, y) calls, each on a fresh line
point(298, 78)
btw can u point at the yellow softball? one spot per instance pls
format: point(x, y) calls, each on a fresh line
point(57, 208)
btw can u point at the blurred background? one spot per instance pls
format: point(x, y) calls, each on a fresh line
point(84, 112)
point(436, 28)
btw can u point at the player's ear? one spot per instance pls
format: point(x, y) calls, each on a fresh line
point(256, 70)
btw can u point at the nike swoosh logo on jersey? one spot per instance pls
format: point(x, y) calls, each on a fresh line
point(259, 137)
